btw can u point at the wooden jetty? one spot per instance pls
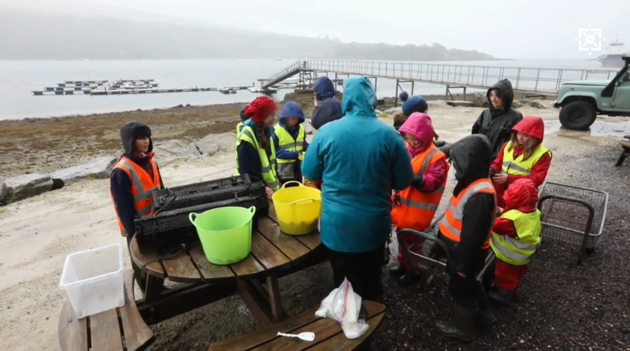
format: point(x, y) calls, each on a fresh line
point(525, 80)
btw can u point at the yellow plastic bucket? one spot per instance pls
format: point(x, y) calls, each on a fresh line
point(297, 208)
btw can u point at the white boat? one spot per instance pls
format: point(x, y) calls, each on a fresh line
point(257, 90)
point(227, 91)
point(136, 85)
point(613, 55)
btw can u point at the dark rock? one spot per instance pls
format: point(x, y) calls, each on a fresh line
point(58, 183)
point(460, 103)
point(25, 186)
point(99, 168)
point(536, 104)
point(479, 100)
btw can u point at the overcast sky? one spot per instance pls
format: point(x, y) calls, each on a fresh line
point(525, 29)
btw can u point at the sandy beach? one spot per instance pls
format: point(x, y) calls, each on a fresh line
point(584, 307)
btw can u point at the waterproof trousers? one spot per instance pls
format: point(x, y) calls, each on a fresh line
point(363, 270)
point(408, 240)
point(508, 276)
point(464, 290)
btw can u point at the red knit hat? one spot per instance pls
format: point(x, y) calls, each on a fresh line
point(260, 109)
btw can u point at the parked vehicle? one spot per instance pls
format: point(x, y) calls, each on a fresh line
point(581, 101)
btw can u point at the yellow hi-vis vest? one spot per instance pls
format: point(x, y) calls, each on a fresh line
point(517, 251)
point(238, 128)
point(268, 163)
point(519, 166)
point(286, 142)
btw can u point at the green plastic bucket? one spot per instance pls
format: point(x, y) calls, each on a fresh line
point(225, 233)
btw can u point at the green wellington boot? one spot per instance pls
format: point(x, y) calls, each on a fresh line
point(461, 325)
point(486, 316)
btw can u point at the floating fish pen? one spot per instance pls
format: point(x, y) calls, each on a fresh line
point(125, 87)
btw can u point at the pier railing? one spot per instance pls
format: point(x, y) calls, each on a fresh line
point(284, 74)
point(522, 78)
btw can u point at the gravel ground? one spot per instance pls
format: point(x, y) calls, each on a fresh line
point(563, 306)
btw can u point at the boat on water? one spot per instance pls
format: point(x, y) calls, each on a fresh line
point(227, 91)
point(277, 59)
point(255, 90)
point(613, 55)
point(138, 85)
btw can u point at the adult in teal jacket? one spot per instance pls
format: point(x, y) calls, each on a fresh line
point(360, 161)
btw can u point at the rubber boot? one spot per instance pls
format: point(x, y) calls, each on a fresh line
point(398, 270)
point(502, 296)
point(461, 325)
point(486, 316)
point(409, 278)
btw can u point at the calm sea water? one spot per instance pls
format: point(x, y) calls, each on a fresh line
point(19, 78)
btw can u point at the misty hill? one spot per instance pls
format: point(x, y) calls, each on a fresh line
point(46, 36)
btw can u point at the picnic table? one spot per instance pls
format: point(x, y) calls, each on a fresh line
point(273, 255)
point(118, 329)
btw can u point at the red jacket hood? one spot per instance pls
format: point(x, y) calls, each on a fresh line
point(522, 195)
point(532, 126)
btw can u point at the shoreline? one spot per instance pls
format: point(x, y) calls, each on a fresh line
point(389, 101)
point(44, 145)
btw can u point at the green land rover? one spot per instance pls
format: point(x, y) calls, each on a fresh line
point(581, 101)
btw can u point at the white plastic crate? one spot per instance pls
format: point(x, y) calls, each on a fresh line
point(93, 280)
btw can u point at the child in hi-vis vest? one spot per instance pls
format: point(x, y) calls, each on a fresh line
point(415, 206)
point(289, 137)
point(523, 156)
point(515, 238)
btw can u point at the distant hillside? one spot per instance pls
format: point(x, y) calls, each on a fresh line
point(38, 36)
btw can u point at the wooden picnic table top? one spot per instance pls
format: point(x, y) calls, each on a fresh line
point(271, 250)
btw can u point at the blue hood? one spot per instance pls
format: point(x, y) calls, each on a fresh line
point(324, 88)
point(291, 109)
point(359, 97)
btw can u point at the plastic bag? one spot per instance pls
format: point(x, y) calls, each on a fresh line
point(343, 305)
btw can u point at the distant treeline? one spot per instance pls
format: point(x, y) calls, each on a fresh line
point(36, 36)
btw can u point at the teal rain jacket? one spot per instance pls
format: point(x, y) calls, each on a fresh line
point(360, 160)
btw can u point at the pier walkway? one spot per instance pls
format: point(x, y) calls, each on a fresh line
point(525, 80)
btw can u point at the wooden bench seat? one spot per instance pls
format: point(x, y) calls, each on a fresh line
point(328, 333)
point(118, 329)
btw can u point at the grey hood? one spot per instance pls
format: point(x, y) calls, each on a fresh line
point(130, 132)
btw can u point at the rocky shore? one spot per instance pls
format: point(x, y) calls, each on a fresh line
point(40, 155)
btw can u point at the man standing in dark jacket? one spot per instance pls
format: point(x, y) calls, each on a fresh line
point(327, 108)
point(135, 172)
point(497, 121)
point(466, 229)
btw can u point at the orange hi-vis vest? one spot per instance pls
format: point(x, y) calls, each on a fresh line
point(415, 209)
point(451, 225)
point(141, 186)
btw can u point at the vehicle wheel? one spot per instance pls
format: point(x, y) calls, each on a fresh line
point(578, 115)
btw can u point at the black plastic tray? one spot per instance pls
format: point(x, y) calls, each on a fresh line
point(171, 227)
point(197, 194)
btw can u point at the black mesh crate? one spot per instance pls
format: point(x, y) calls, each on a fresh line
point(206, 192)
point(172, 227)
